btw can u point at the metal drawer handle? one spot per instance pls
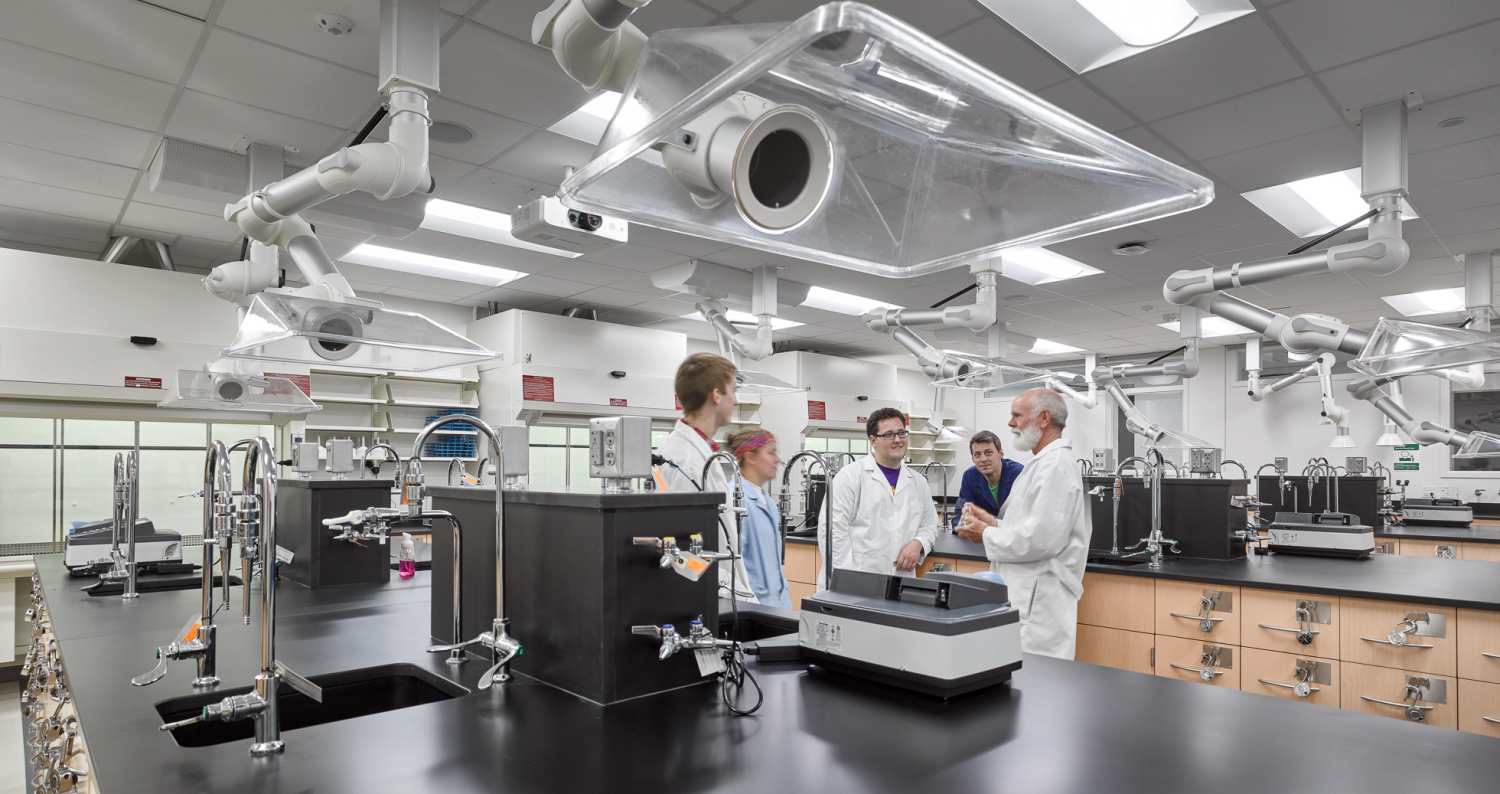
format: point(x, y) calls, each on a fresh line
point(1301, 688)
point(1491, 655)
point(1205, 623)
point(1397, 705)
point(1279, 628)
point(1490, 719)
point(1393, 645)
point(1205, 673)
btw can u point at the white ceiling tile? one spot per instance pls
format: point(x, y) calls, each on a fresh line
point(89, 249)
point(492, 134)
point(132, 37)
point(546, 285)
point(434, 297)
point(1467, 221)
point(720, 5)
point(1438, 166)
point(1439, 68)
point(494, 190)
point(448, 172)
point(447, 288)
point(217, 122)
point(1450, 197)
point(666, 14)
point(1227, 209)
point(588, 272)
point(1254, 253)
point(1086, 103)
point(166, 219)
point(197, 9)
point(1151, 142)
point(148, 196)
point(202, 249)
point(1481, 109)
point(1261, 117)
point(66, 133)
point(1218, 63)
point(294, 24)
point(259, 74)
point(372, 276)
point(31, 221)
point(427, 241)
point(513, 258)
point(457, 6)
point(605, 296)
point(1313, 154)
point(516, 299)
point(1488, 240)
point(41, 249)
point(60, 170)
point(934, 17)
point(511, 17)
point(543, 156)
point(1331, 32)
point(58, 201)
point(1233, 238)
point(674, 242)
point(502, 75)
point(999, 48)
point(68, 84)
point(635, 257)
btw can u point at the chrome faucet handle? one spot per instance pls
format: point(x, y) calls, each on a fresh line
point(156, 673)
point(455, 646)
point(186, 643)
point(506, 648)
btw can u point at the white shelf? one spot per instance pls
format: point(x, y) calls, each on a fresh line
point(435, 404)
point(322, 398)
point(416, 430)
point(343, 429)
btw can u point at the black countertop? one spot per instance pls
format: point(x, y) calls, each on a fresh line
point(1470, 584)
point(598, 501)
point(1473, 533)
point(1059, 727)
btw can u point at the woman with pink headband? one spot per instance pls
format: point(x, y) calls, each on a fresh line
point(755, 449)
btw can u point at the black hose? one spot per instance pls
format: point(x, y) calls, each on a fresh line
point(1164, 355)
point(1299, 249)
point(369, 127)
point(955, 296)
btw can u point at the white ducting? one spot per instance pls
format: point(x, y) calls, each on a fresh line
point(592, 40)
point(1091, 399)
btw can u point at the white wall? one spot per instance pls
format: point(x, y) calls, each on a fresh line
point(1087, 429)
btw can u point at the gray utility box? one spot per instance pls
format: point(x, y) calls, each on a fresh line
point(317, 559)
point(1359, 496)
point(1195, 512)
point(575, 583)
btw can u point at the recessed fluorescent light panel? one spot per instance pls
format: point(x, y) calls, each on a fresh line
point(426, 265)
point(1317, 205)
point(746, 318)
point(1088, 34)
point(1039, 266)
point(1047, 347)
point(588, 123)
point(1435, 301)
point(478, 224)
point(1211, 327)
point(842, 302)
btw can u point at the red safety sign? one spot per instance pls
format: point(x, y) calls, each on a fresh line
point(139, 382)
point(537, 387)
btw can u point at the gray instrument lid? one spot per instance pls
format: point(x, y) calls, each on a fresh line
point(1307, 522)
point(100, 533)
point(911, 617)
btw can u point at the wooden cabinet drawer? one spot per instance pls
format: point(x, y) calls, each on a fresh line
point(1361, 682)
point(1444, 550)
point(1190, 654)
point(1387, 546)
point(1479, 707)
point(1258, 667)
point(1176, 599)
point(798, 591)
point(1126, 650)
point(971, 566)
point(801, 563)
point(931, 561)
point(1479, 634)
point(1368, 624)
point(1266, 613)
point(1118, 602)
point(1487, 552)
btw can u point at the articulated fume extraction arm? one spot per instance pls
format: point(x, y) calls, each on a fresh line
point(1322, 366)
point(1136, 422)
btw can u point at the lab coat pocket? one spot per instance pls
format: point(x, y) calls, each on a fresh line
point(1022, 595)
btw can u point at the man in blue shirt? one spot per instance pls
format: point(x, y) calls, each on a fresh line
point(987, 483)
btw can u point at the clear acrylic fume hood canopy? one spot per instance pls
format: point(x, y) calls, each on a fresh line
point(227, 391)
point(752, 382)
point(978, 373)
point(1398, 348)
point(281, 327)
point(850, 138)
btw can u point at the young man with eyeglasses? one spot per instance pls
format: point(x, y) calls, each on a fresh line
point(883, 517)
point(987, 483)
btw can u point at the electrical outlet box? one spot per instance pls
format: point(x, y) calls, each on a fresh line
point(1356, 465)
point(620, 447)
point(305, 457)
point(1104, 459)
point(340, 455)
point(1205, 460)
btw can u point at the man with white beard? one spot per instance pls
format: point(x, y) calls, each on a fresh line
point(1039, 543)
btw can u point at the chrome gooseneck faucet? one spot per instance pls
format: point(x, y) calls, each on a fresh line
point(786, 493)
point(126, 503)
point(1154, 542)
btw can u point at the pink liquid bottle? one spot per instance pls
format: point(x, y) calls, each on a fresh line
point(408, 560)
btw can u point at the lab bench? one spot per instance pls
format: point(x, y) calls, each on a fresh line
point(1059, 726)
point(1477, 541)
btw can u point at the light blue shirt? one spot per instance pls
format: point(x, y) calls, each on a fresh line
point(760, 541)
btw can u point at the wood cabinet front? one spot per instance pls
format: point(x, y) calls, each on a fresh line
point(1125, 650)
point(1479, 707)
point(799, 591)
point(1191, 657)
point(1442, 550)
point(1387, 546)
point(1486, 552)
point(1278, 675)
point(801, 563)
point(931, 561)
point(1479, 645)
point(971, 566)
point(1206, 612)
point(1383, 692)
point(1279, 621)
point(1368, 628)
point(1118, 602)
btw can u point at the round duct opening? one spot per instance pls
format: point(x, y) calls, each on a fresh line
point(229, 388)
point(779, 166)
point(333, 328)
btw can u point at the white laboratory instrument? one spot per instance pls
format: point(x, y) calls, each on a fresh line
point(1321, 535)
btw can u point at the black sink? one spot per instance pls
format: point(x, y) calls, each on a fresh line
point(1120, 562)
point(346, 695)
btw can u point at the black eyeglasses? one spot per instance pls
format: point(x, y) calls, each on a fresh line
point(893, 435)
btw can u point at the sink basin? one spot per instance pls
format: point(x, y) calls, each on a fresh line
point(346, 695)
point(1118, 562)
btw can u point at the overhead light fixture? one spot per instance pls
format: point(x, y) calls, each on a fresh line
point(1317, 205)
point(1036, 266)
point(427, 265)
point(588, 123)
point(746, 318)
point(463, 220)
point(1211, 327)
point(842, 302)
point(1434, 301)
point(1142, 23)
point(1088, 34)
point(1047, 347)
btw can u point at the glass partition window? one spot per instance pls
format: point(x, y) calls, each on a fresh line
point(27, 496)
point(1476, 411)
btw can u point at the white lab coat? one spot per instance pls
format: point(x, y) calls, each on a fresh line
point(1040, 548)
point(871, 524)
point(689, 451)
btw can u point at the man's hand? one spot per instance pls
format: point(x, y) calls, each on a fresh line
point(909, 557)
point(975, 521)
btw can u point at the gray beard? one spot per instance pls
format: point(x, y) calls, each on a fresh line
point(1027, 438)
